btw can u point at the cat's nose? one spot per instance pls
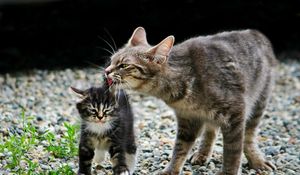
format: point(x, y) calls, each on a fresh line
point(100, 117)
point(108, 70)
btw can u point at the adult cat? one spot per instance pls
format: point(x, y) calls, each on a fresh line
point(217, 81)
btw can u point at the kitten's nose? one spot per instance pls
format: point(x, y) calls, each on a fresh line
point(100, 118)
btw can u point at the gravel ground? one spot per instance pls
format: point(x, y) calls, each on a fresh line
point(45, 95)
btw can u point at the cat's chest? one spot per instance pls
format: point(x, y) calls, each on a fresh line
point(187, 109)
point(100, 129)
point(101, 143)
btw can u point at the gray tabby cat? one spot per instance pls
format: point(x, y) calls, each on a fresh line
point(218, 81)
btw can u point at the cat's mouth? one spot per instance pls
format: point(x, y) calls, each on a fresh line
point(109, 81)
point(100, 120)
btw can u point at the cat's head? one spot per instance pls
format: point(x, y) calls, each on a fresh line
point(97, 104)
point(137, 62)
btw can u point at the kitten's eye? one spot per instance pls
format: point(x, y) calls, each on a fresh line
point(107, 111)
point(123, 66)
point(93, 111)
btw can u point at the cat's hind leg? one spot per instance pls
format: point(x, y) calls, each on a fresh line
point(251, 150)
point(207, 141)
point(187, 131)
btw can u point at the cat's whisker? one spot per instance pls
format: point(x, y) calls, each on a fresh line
point(126, 83)
point(94, 65)
point(193, 92)
point(110, 46)
point(110, 52)
point(111, 38)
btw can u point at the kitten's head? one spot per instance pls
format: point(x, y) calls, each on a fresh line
point(137, 62)
point(97, 105)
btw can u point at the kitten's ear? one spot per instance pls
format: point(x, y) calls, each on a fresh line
point(78, 92)
point(138, 37)
point(162, 50)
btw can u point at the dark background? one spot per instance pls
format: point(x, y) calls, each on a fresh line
point(68, 33)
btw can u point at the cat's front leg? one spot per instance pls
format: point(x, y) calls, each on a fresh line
point(204, 151)
point(118, 159)
point(233, 134)
point(187, 131)
point(86, 154)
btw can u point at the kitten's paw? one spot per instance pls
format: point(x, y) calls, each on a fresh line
point(83, 173)
point(198, 158)
point(125, 173)
point(261, 165)
point(121, 170)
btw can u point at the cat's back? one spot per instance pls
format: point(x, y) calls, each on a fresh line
point(236, 62)
point(240, 46)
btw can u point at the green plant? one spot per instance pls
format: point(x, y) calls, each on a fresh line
point(63, 170)
point(67, 145)
point(17, 146)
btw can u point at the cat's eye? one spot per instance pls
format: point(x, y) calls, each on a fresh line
point(93, 111)
point(107, 111)
point(123, 66)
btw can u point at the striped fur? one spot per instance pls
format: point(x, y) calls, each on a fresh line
point(216, 82)
point(107, 126)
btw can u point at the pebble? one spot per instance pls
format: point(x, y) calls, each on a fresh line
point(45, 95)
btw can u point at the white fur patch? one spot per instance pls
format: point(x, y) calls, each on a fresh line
point(125, 173)
point(130, 162)
point(98, 128)
point(99, 155)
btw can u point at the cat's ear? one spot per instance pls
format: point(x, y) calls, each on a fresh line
point(162, 50)
point(138, 37)
point(78, 92)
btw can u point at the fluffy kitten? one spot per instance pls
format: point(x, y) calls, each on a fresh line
point(107, 125)
point(217, 81)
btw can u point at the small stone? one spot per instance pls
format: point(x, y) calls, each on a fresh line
point(39, 118)
point(211, 166)
point(272, 150)
point(290, 172)
point(44, 167)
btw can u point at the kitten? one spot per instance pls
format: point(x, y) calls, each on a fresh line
point(214, 82)
point(106, 125)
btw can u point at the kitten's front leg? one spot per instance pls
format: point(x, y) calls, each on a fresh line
point(118, 159)
point(187, 131)
point(232, 145)
point(86, 154)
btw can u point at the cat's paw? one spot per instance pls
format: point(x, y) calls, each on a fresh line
point(121, 170)
point(198, 158)
point(220, 173)
point(83, 173)
point(167, 173)
point(125, 173)
point(261, 165)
